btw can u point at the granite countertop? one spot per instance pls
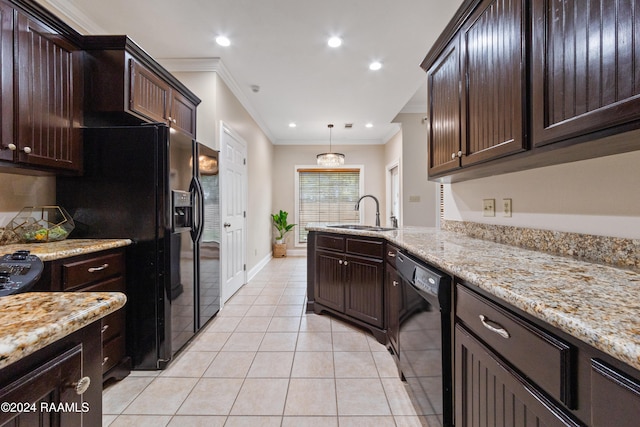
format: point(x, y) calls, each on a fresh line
point(595, 303)
point(32, 320)
point(65, 248)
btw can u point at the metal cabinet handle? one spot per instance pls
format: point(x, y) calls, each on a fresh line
point(340, 262)
point(395, 283)
point(104, 328)
point(81, 385)
point(27, 150)
point(105, 360)
point(345, 263)
point(453, 155)
point(12, 147)
point(391, 254)
point(459, 153)
point(95, 269)
point(227, 225)
point(494, 327)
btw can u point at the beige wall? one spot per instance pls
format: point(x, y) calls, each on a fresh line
point(19, 191)
point(220, 104)
point(597, 196)
point(288, 156)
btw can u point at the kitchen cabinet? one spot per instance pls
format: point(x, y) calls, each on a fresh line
point(57, 384)
point(42, 88)
point(126, 86)
point(348, 279)
point(585, 61)
point(615, 396)
point(394, 300)
point(476, 89)
point(96, 272)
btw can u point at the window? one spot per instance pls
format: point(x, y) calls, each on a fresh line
point(326, 196)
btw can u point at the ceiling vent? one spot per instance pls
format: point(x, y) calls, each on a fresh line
point(348, 125)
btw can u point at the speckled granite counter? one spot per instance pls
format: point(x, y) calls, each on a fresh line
point(31, 321)
point(595, 303)
point(65, 248)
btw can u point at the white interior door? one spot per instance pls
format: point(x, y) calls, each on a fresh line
point(233, 206)
point(393, 193)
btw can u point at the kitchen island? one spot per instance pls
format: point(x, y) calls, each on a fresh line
point(51, 356)
point(590, 308)
point(66, 248)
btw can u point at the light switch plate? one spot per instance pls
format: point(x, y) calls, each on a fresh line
point(506, 207)
point(489, 207)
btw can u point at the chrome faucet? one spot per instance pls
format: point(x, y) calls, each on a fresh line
point(377, 207)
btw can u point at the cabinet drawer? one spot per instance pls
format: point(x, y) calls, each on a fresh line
point(615, 397)
point(520, 343)
point(391, 254)
point(113, 325)
point(332, 243)
point(90, 270)
point(371, 248)
point(112, 353)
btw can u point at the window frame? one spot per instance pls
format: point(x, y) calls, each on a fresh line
point(296, 174)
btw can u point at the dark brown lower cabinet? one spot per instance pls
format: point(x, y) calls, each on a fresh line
point(491, 394)
point(615, 397)
point(59, 385)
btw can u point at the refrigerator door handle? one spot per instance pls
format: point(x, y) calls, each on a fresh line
point(198, 229)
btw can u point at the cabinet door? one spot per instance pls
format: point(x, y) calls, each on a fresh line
point(6, 80)
point(443, 81)
point(364, 289)
point(148, 93)
point(49, 97)
point(615, 397)
point(329, 280)
point(489, 393)
point(493, 65)
point(393, 304)
point(183, 114)
point(48, 386)
point(586, 67)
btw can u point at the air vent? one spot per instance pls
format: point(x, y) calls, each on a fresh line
point(348, 125)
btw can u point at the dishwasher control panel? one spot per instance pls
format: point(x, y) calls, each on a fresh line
point(19, 271)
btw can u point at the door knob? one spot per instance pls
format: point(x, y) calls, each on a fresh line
point(227, 225)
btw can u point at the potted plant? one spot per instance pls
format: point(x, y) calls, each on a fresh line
point(283, 227)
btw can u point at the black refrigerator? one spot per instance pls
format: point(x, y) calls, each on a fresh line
point(142, 183)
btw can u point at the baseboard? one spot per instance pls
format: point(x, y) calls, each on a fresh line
point(259, 266)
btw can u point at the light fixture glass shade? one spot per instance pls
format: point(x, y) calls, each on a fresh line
point(330, 159)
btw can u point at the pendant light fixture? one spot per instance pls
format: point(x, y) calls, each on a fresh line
point(330, 158)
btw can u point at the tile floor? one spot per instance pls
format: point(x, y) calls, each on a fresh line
point(262, 361)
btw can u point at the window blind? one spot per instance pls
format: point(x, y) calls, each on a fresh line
point(327, 196)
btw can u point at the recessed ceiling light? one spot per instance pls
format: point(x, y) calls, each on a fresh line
point(223, 41)
point(375, 65)
point(292, 125)
point(334, 41)
point(369, 125)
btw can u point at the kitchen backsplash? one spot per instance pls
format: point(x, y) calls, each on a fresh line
point(614, 251)
point(19, 191)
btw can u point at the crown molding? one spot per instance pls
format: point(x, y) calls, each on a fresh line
point(73, 16)
point(215, 65)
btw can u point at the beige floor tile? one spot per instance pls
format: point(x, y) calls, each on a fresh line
point(313, 364)
point(252, 324)
point(108, 419)
point(385, 364)
point(279, 341)
point(376, 346)
point(154, 373)
point(189, 364)
point(211, 396)
point(338, 325)
point(350, 341)
point(140, 421)
point(311, 396)
point(295, 290)
point(222, 324)
point(354, 364)
point(271, 364)
point(261, 310)
point(261, 396)
point(272, 291)
point(367, 422)
point(315, 323)
point(253, 421)
point(295, 282)
point(241, 300)
point(247, 290)
point(292, 300)
point(162, 397)
point(309, 421)
point(362, 397)
point(397, 396)
point(230, 364)
point(314, 341)
point(268, 300)
point(418, 421)
point(197, 421)
point(209, 341)
point(284, 324)
point(289, 310)
point(243, 341)
point(118, 395)
point(230, 310)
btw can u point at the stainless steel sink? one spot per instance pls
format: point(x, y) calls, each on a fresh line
point(361, 227)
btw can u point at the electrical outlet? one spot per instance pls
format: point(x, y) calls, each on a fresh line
point(506, 207)
point(489, 207)
point(414, 199)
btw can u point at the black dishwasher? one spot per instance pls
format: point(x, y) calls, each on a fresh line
point(425, 348)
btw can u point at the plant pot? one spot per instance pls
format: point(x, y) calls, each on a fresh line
point(279, 241)
point(279, 250)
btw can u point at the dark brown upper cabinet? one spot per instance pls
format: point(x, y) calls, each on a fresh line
point(586, 67)
point(476, 88)
point(41, 93)
point(126, 86)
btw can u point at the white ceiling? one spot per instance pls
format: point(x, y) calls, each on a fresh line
point(281, 46)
